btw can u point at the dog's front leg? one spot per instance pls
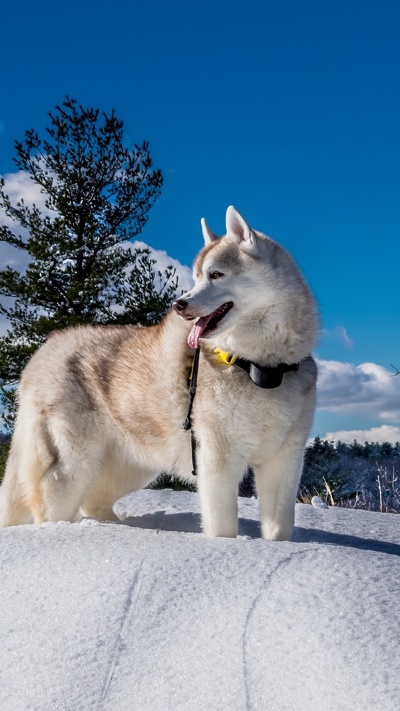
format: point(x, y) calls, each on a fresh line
point(277, 482)
point(218, 479)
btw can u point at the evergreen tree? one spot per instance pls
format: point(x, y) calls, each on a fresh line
point(81, 269)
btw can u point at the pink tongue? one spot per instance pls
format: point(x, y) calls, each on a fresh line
point(197, 330)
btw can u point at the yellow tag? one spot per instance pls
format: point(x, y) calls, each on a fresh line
point(226, 357)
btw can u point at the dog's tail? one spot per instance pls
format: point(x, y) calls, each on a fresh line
point(13, 510)
point(18, 483)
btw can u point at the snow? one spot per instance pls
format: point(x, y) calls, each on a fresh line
point(152, 615)
point(66, 263)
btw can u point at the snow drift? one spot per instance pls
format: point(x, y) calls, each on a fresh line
point(153, 615)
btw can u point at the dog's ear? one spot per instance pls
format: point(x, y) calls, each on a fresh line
point(209, 235)
point(237, 227)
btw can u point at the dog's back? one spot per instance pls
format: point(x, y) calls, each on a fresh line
point(94, 420)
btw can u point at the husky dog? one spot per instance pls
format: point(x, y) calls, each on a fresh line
point(101, 407)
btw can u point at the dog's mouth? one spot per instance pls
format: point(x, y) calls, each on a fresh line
point(206, 324)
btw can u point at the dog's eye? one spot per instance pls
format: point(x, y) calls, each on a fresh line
point(216, 275)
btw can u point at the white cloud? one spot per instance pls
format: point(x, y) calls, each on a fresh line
point(367, 390)
point(184, 273)
point(384, 433)
point(19, 186)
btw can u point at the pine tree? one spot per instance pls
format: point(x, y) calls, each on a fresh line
point(81, 267)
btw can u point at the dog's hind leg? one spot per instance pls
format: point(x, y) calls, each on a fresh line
point(65, 483)
point(14, 509)
point(116, 478)
point(98, 502)
point(55, 469)
point(23, 470)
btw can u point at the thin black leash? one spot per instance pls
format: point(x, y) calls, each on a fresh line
point(187, 425)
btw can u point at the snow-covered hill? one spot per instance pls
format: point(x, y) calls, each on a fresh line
point(154, 616)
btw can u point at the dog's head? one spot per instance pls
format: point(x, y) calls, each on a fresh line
point(249, 296)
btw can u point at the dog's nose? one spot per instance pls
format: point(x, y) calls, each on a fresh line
point(179, 305)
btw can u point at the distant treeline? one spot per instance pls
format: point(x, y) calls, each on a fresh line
point(363, 476)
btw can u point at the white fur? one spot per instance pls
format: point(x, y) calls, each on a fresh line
point(101, 408)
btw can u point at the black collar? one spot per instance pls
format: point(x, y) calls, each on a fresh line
point(265, 376)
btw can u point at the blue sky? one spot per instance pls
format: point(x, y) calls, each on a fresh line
point(289, 110)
